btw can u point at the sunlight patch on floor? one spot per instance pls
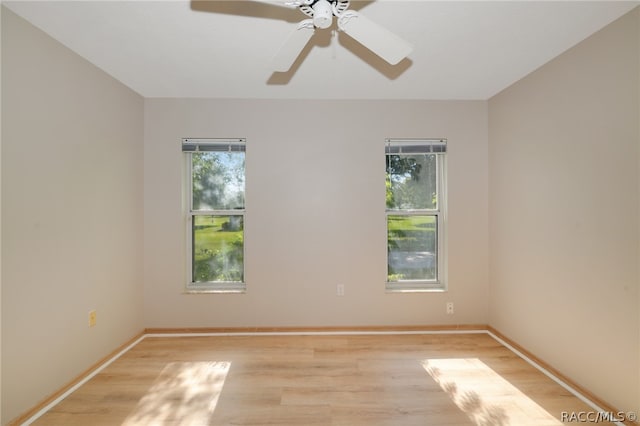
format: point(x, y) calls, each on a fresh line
point(184, 392)
point(484, 396)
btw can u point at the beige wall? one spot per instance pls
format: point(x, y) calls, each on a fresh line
point(71, 215)
point(564, 213)
point(315, 212)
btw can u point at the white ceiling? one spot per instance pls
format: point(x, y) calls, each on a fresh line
point(216, 49)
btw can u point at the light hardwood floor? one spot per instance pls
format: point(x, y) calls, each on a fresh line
point(351, 380)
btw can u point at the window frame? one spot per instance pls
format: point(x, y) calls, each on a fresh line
point(437, 147)
point(191, 146)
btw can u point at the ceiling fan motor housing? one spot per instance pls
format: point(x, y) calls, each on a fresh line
point(322, 11)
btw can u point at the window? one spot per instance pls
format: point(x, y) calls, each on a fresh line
point(415, 211)
point(216, 209)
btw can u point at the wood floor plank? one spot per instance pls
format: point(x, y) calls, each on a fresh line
point(404, 379)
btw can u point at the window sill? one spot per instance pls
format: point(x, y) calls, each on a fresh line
point(396, 289)
point(216, 290)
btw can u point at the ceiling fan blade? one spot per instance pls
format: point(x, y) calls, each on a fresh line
point(281, 3)
point(292, 47)
point(275, 9)
point(376, 38)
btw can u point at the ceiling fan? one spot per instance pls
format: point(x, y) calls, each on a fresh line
point(371, 35)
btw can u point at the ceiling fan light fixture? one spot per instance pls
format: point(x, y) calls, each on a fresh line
point(322, 14)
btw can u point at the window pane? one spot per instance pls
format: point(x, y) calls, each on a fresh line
point(218, 180)
point(411, 248)
point(411, 182)
point(218, 248)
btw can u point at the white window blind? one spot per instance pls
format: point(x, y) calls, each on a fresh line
point(213, 145)
point(416, 146)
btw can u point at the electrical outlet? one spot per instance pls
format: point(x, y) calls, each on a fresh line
point(449, 308)
point(92, 318)
point(340, 290)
